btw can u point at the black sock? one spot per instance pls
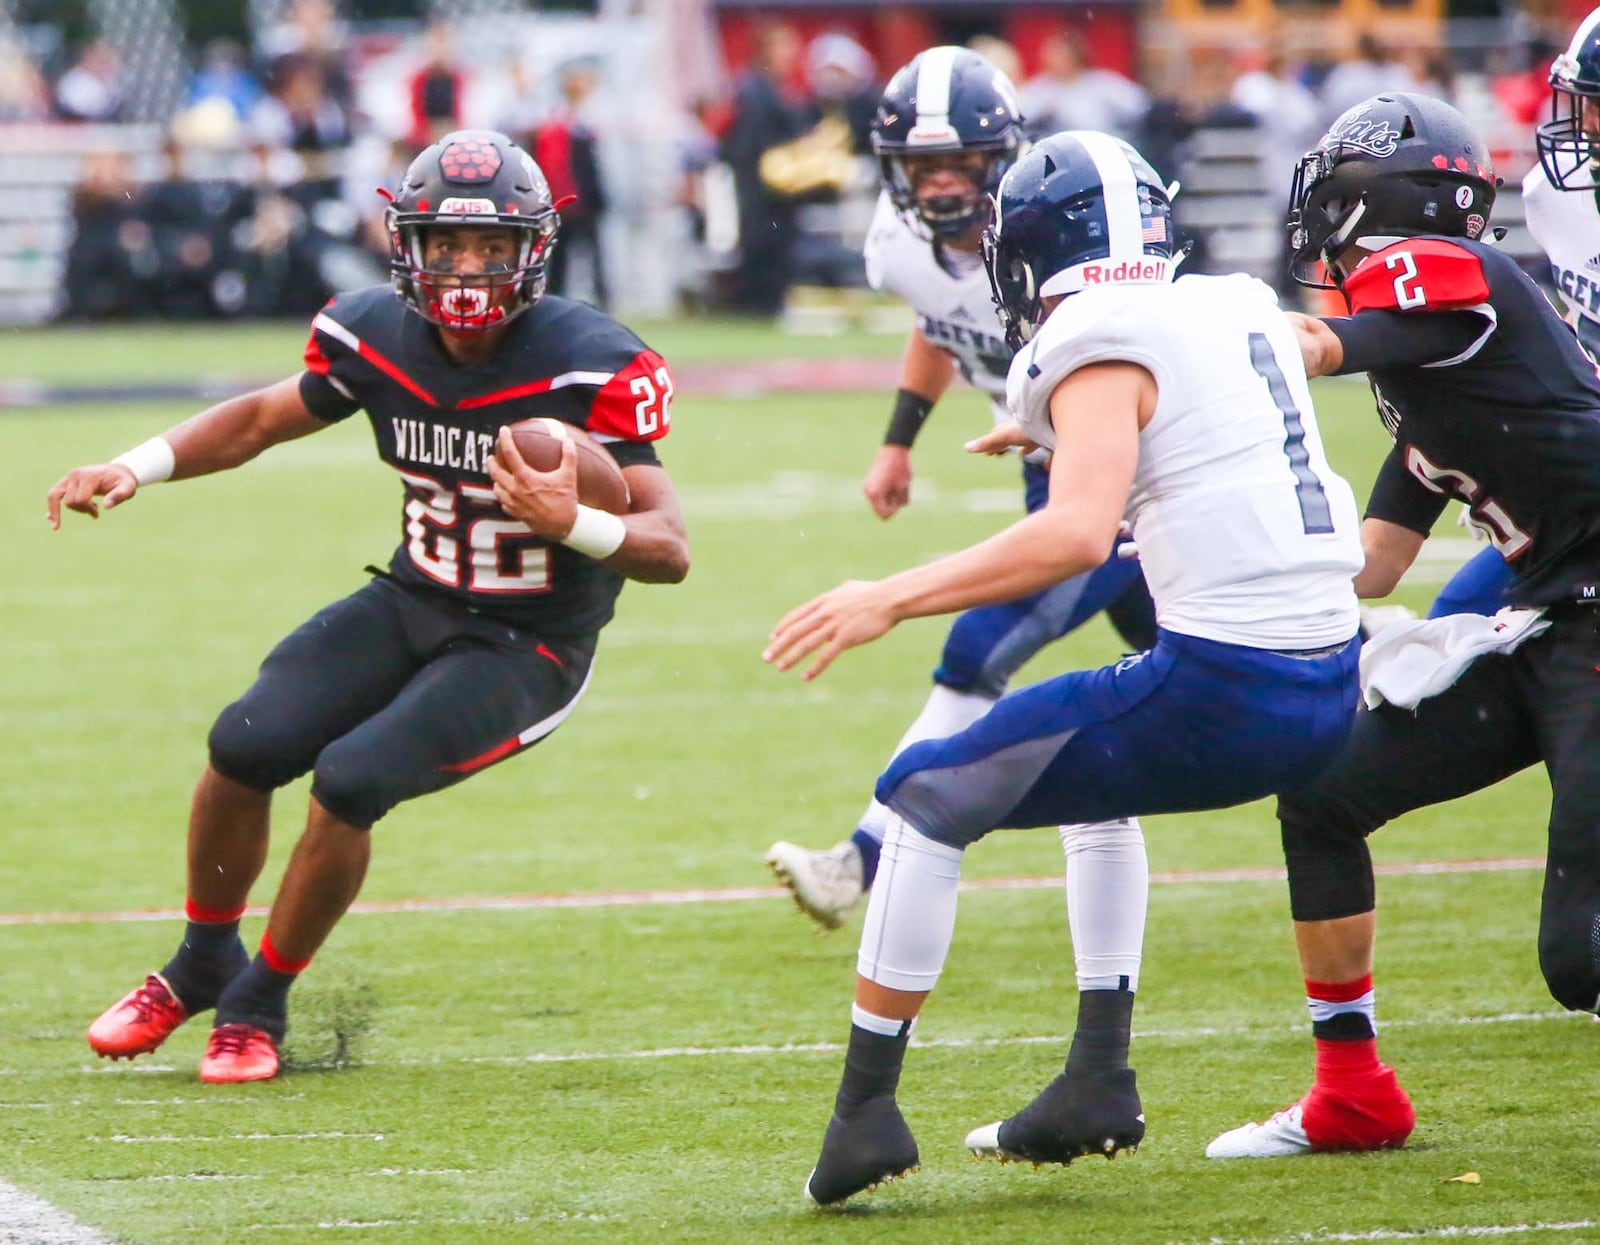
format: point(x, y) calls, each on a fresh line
point(871, 1067)
point(1343, 1027)
point(258, 996)
point(1105, 1026)
point(211, 955)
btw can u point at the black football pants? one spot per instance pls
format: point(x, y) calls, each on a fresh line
point(1541, 703)
point(390, 694)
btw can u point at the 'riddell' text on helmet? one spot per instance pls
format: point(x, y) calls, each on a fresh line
point(473, 179)
point(1078, 210)
point(948, 100)
point(1569, 150)
point(1394, 166)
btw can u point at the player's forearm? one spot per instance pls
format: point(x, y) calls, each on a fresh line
point(233, 432)
point(654, 551)
point(1320, 349)
point(1040, 550)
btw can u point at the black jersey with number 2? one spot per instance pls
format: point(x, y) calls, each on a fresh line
point(1507, 419)
point(436, 420)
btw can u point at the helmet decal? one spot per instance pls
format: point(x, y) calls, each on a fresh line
point(1357, 130)
point(469, 160)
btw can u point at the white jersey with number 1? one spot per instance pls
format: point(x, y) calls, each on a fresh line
point(1246, 534)
point(955, 309)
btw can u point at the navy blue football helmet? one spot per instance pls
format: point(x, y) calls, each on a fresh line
point(472, 178)
point(1568, 152)
point(948, 100)
point(1078, 209)
point(1394, 166)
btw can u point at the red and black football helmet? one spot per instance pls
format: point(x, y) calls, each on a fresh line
point(1394, 166)
point(472, 179)
point(1569, 151)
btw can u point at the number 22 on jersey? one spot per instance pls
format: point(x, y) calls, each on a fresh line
point(497, 560)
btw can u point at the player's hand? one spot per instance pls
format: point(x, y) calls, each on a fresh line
point(547, 501)
point(856, 612)
point(78, 489)
point(1002, 439)
point(888, 482)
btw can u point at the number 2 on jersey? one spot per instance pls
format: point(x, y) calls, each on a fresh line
point(1316, 517)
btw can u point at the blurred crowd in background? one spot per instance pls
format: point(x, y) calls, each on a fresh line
point(249, 191)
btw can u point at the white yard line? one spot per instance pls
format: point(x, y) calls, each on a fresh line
point(29, 1220)
point(732, 894)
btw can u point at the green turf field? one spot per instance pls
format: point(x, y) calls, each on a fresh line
point(663, 1071)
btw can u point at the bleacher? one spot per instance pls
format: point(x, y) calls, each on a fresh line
point(39, 166)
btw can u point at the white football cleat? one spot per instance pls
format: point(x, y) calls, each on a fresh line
point(1283, 1136)
point(984, 1143)
point(826, 885)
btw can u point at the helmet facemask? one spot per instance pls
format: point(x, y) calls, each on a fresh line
point(949, 215)
point(1011, 280)
point(470, 302)
point(1569, 143)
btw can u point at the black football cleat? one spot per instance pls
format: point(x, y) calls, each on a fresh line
point(1076, 1114)
point(871, 1145)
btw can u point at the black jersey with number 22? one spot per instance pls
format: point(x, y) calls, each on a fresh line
point(436, 420)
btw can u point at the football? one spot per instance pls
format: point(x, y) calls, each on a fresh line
point(601, 483)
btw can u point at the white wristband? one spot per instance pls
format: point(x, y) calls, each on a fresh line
point(150, 463)
point(598, 533)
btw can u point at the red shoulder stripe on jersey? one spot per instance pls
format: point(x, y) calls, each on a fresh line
point(533, 387)
point(636, 405)
point(1421, 274)
point(339, 333)
point(315, 360)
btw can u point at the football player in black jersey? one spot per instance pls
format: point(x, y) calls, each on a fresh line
point(476, 643)
point(1491, 402)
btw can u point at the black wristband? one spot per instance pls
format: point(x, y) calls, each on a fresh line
point(911, 411)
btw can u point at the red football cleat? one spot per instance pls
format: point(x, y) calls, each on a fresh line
point(239, 1052)
point(138, 1022)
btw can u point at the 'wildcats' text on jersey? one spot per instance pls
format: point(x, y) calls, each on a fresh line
point(955, 310)
point(1566, 225)
point(1246, 534)
point(435, 422)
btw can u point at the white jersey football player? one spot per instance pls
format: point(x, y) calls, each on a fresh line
point(1561, 194)
point(947, 129)
point(1182, 408)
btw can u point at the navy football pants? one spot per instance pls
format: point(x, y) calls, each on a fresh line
point(1191, 724)
point(388, 695)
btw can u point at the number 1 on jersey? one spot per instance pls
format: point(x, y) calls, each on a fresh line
point(1316, 517)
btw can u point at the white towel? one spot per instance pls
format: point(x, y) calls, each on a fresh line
point(1407, 662)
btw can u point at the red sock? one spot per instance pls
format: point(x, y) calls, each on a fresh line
point(1355, 1102)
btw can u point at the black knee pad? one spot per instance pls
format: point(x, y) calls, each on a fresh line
point(1569, 957)
point(242, 747)
point(1325, 848)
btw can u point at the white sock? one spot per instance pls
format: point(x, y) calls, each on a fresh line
point(946, 712)
point(911, 916)
point(1108, 890)
point(883, 1026)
